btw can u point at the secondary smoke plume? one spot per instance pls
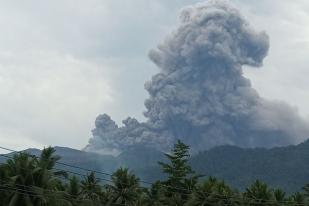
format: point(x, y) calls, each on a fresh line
point(200, 95)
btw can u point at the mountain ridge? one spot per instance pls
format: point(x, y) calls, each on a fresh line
point(284, 167)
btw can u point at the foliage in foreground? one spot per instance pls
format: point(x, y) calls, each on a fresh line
point(26, 180)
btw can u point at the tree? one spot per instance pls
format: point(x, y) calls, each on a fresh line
point(29, 180)
point(91, 190)
point(298, 199)
point(156, 194)
point(125, 189)
point(306, 190)
point(20, 171)
point(181, 178)
point(258, 194)
point(27, 183)
point(48, 160)
point(73, 190)
point(47, 177)
point(279, 196)
point(213, 192)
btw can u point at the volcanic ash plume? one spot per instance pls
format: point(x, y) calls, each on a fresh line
point(200, 95)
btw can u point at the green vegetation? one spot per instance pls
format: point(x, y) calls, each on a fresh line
point(27, 180)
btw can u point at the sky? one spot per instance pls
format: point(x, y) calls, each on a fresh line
point(63, 62)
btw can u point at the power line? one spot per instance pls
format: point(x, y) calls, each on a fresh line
point(99, 178)
point(75, 167)
point(146, 182)
point(162, 185)
point(62, 163)
point(68, 171)
point(26, 192)
point(30, 192)
point(69, 165)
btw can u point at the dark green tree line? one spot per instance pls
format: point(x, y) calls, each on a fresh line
point(26, 180)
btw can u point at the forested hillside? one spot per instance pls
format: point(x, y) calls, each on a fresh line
point(237, 166)
point(36, 180)
point(284, 167)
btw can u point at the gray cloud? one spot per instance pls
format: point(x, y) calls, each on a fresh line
point(200, 94)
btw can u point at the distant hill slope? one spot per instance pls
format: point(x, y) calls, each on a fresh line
point(284, 167)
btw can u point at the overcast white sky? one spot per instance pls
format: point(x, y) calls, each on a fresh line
point(63, 62)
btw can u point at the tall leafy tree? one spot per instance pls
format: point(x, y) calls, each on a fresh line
point(181, 179)
point(26, 180)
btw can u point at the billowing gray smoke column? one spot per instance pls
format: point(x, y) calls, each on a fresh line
point(200, 95)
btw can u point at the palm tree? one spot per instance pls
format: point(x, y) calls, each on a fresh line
point(73, 190)
point(31, 181)
point(279, 196)
point(3, 181)
point(213, 192)
point(125, 189)
point(47, 177)
point(156, 194)
point(91, 190)
point(258, 194)
point(21, 171)
point(306, 190)
point(48, 160)
point(73, 187)
point(299, 198)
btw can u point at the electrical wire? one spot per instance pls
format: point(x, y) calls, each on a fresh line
point(218, 196)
